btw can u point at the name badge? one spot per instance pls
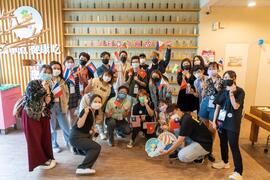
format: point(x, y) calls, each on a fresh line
point(72, 89)
point(222, 115)
point(211, 102)
point(81, 87)
point(136, 89)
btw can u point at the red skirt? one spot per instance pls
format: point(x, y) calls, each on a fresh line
point(38, 138)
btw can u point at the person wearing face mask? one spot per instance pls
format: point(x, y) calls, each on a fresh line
point(199, 141)
point(199, 83)
point(60, 106)
point(228, 115)
point(83, 132)
point(105, 57)
point(74, 91)
point(143, 111)
point(82, 72)
point(187, 99)
point(158, 64)
point(122, 67)
point(136, 78)
point(117, 112)
point(159, 89)
point(143, 64)
point(102, 86)
point(36, 121)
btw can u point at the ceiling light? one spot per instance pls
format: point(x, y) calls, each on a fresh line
point(251, 3)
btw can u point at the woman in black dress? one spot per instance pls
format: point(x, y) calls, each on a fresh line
point(187, 101)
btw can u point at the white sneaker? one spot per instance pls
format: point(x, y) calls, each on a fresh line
point(48, 165)
point(85, 171)
point(221, 165)
point(130, 144)
point(56, 150)
point(235, 176)
point(102, 136)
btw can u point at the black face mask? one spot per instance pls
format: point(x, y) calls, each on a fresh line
point(105, 61)
point(156, 79)
point(123, 59)
point(155, 60)
point(187, 67)
point(228, 82)
point(82, 62)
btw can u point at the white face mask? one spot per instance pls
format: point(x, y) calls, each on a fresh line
point(96, 106)
point(69, 65)
point(142, 61)
point(56, 72)
point(106, 78)
point(212, 72)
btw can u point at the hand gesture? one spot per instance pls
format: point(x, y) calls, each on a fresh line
point(233, 88)
point(136, 78)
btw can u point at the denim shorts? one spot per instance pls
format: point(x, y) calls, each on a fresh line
point(206, 113)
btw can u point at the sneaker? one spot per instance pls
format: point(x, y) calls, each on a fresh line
point(130, 144)
point(235, 176)
point(198, 161)
point(221, 165)
point(56, 150)
point(80, 171)
point(102, 136)
point(211, 157)
point(48, 165)
point(110, 143)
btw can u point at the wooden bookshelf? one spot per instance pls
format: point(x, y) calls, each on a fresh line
point(169, 35)
point(128, 10)
point(129, 22)
point(115, 47)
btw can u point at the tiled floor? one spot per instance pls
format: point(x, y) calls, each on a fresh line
point(122, 163)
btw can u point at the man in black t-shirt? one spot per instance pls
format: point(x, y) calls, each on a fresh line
point(201, 137)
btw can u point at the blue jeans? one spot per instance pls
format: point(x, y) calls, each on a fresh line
point(206, 112)
point(191, 152)
point(61, 118)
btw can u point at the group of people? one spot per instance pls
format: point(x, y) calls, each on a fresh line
point(122, 98)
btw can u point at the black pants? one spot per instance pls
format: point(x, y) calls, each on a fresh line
point(233, 138)
point(136, 130)
point(85, 143)
point(120, 125)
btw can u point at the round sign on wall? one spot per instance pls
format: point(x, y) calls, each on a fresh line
point(23, 13)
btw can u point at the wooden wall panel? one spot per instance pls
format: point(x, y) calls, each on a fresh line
point(11, 69)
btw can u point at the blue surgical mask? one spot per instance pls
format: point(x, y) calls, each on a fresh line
point(45, 76)
point(121, 95)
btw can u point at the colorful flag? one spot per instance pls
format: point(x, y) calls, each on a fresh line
point(125, 45)
point(160, 45)
point(176, 68)
point(113, 68)
point(161, 83)
point(117, 103)
point(148, 44)
point(142, 73)
point(56, 90)
point(116, 55)
point(183, 84)
point(67, 73)
point(150, 126)
point(91, 67)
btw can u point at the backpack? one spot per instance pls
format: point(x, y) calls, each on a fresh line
point(18, 107)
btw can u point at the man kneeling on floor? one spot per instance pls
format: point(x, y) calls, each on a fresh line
point(194, 140)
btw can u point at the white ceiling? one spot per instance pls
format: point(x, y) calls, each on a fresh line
point(237, 3)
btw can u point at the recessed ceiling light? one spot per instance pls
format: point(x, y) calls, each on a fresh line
point(251, 3)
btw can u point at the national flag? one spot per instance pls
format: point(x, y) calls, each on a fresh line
point(161, 83)
point(125, 45)
point(71, 79)
point(56, 90)
point(116, 55)
point(113, 68)
point(150, 126)
point(148, 44)
point(173, 125)
point(160, 45)
point(175, 68)
point(142, 73)
point(67, 73)
point(183, 84)
point(91, 67)
point(117, 103)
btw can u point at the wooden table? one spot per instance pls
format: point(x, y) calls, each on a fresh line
point(259, 118)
